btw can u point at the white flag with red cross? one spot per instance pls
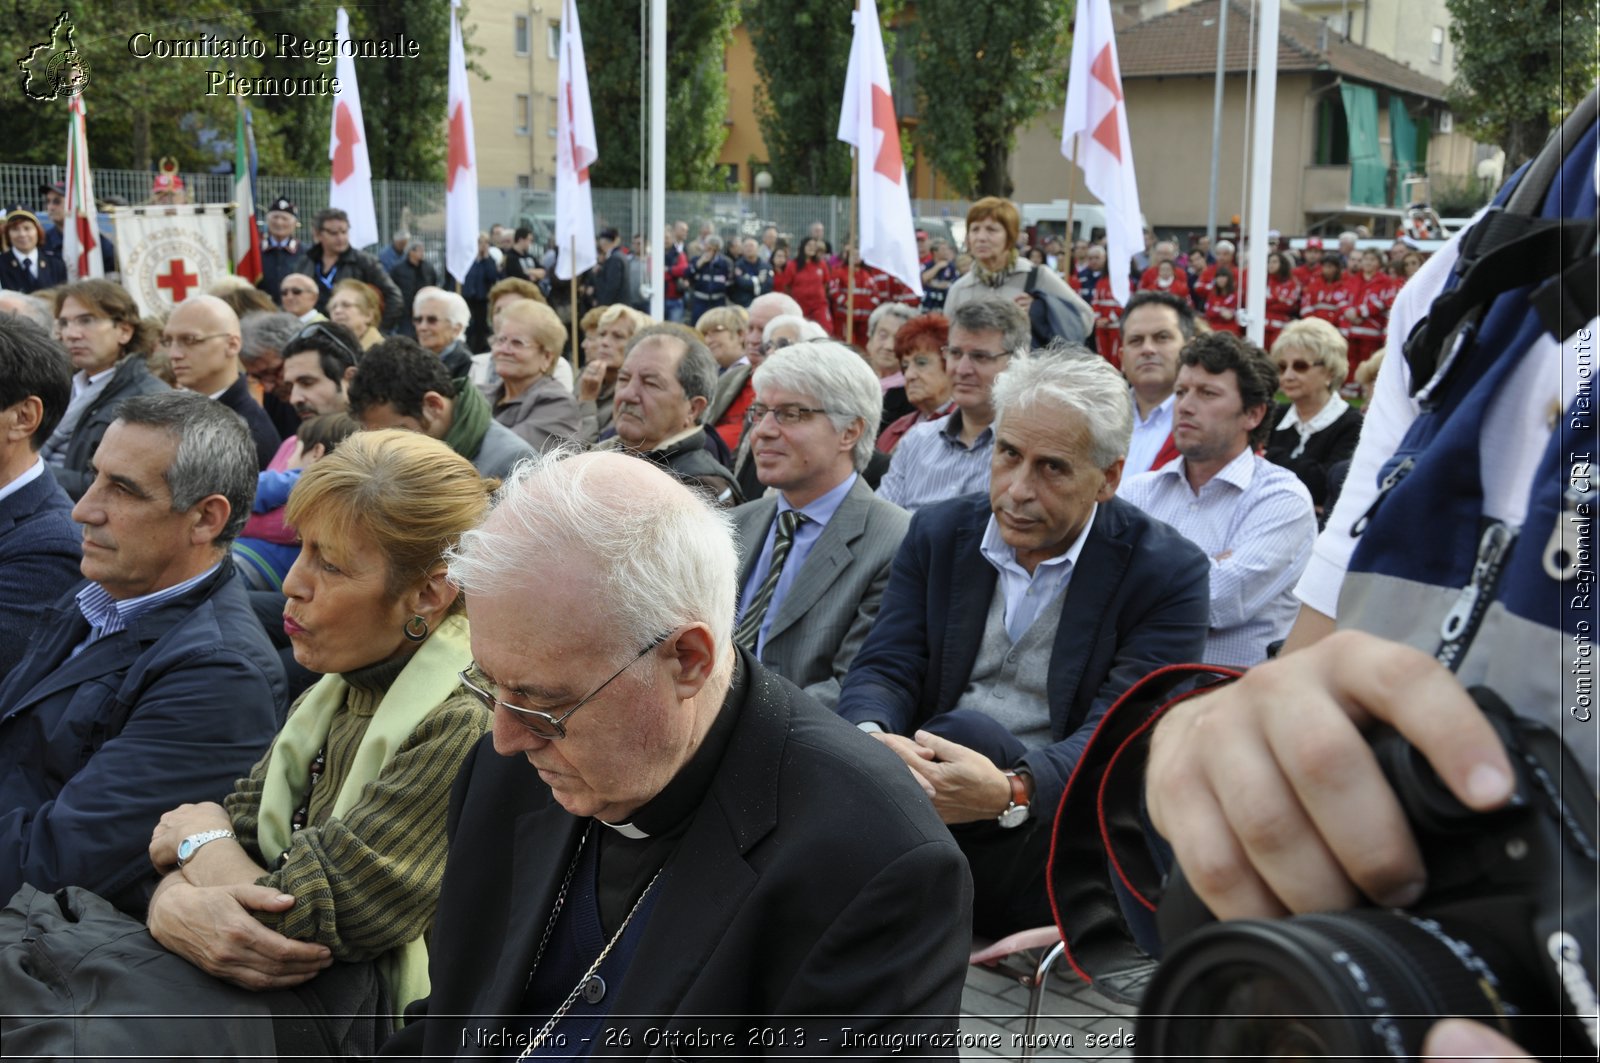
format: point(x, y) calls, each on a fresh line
point(576, 151)
point(1097, 119)
point(350, 189)
point(866, 121)
point(461, 165)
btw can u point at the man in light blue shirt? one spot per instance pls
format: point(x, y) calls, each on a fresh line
point(1155, 326)
point(817, 549)
point(1253, 519)
point(949, 458)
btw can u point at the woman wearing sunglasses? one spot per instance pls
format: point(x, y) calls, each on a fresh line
point(1315, 429)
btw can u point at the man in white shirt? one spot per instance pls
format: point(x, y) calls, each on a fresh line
point(1155, 326)
point(1253, 519)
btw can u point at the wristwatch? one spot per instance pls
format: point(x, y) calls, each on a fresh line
point(191, 845)
point(1016, 813)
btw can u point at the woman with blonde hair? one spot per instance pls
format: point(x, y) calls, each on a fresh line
point(358, 306)
point(597, 383)
point(1316, 428)
point(527, 398)
point(302, 899)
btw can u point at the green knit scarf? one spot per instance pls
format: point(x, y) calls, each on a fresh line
point(471, 420)
point(426, 681)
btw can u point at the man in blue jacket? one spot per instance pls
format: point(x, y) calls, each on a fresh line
point(151, 684)
point(39, 548)
point(1012, 621)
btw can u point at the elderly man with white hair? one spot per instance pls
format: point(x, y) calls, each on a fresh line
point(817, 549)
point(635, 849)
point(441, 318)
point(1015, 617)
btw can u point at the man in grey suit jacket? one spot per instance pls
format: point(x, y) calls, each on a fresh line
point(816, 551)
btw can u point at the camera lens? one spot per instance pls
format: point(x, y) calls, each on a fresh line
point(1352, 985)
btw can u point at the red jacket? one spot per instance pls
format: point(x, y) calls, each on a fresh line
point(1222, 312)
point(1328, 301)
point(889, 289)
point(808, 286)
point(865, 285)
point(1283, 302)
point(1180, 282)
point(1371, 300)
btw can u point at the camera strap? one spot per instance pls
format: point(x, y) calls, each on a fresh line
point(1101, 832)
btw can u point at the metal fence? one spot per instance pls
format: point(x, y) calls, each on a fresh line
point(417, 207)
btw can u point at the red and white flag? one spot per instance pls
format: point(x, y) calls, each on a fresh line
point(80, 239)
point(351, 187)
point(1097, 118)
point(866, 120)
point(576, 151)
point(461, 166)
point(246, 237)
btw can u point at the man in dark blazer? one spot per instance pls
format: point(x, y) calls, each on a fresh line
point(39, 544)
point(676, 843)
point(151, 684)
point(816, 411)
point(1011, 623)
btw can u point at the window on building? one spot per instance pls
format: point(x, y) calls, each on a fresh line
point(554, 120)
point(1333, 133)
point(520, 34)
point(524, 181)
point(1436, 45)
point(554, 40)
point(524, 114)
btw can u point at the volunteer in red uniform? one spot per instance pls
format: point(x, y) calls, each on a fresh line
point(1311, 268)
point(1222, 305)
point(1372, 293)
point(1328, 296)
point(1107, 311)
point(852, 277)
point(1283, 296)
point(806, 282)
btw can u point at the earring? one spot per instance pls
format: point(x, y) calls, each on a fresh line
point(411, 628)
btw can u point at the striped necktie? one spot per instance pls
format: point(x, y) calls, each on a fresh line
point(755, 613)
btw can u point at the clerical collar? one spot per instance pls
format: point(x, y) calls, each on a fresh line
point(671, 808)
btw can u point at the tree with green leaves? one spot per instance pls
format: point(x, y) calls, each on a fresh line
point(1520, 65)
point(984, 69)
point(698, 32)
point(802, 50)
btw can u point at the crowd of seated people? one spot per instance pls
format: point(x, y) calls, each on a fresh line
point(241, 704)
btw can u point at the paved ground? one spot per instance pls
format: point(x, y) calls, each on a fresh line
point(1075, 1021)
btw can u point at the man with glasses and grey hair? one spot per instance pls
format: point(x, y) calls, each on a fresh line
point(635, 849)
point(950, 457)
point(150, 684)
point(817, 549)
point(1015, 617)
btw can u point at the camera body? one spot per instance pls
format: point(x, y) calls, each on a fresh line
point(1506, 933)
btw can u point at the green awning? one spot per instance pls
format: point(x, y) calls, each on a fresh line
point(1367, 168)
point(1402, 136)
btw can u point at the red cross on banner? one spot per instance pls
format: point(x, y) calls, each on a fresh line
point(178, 281)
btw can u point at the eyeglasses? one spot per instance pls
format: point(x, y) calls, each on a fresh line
point(188, 343)
point(320, 328)
point(980, 359)
point(81, 321)
point(513, 343)
point(297, 290)
point(787, 415)
point(543, 724)
point(706, 332)
point(775, 345)
point(1299, 365)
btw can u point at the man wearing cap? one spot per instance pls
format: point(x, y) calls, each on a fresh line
point(28, 265)
point(280, 249)
point(1312, 266)
point(55, 207)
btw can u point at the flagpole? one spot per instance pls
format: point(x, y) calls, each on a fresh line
point(1072, 195)
point(849, 270)
point(574, 305)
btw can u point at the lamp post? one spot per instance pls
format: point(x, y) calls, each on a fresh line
point(763, 186)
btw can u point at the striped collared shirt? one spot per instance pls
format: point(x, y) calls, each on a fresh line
point(107, 615)
point(932, 464)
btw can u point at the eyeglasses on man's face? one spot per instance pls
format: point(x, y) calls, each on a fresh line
point(295, 290)
point(775, 345)
point(187, 343)
point(787, 415)
point(981, 359)
point(543, 724)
